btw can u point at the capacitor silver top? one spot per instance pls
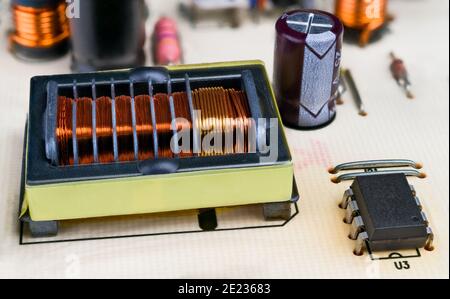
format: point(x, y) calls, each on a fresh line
point(306, 67)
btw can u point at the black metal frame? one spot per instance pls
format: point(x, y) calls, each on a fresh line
point(42, 118)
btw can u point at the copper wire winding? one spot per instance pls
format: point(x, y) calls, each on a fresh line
point(163, 125)
point(39, 27)
point(223, 111)
point(242, 112)
point(104, 130)
point(364, 15)
point(84, 131)
point(124, 128)
point(144, 127)
point(183, 117)
point(64, 131)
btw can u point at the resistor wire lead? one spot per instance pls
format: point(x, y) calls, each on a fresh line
point(355, 92)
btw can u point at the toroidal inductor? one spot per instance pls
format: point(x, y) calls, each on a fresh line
point(306, 67)
point(363, 16)
point(41, 29)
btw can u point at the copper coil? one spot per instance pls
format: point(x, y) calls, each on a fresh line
point(40, 27)
point(364, 15)
point(181, 106)
point(84, 131)
point(124, 128)
point(203, 121)
point(242, 107)
point(261, 5)
point(249, 125)
point(226, 117)
point(231, 124)
point(183, 117)
point(104, 130)
point(241, 121)
point(64, 131)
point(224, 113)
point(144, 127)
point(163, 125)
point(206, 121)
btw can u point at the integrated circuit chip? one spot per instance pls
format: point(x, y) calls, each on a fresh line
point(383, 210)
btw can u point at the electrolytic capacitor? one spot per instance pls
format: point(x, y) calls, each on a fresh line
point(306, 67)
point(166, 43)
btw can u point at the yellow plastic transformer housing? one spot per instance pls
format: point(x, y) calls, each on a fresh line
point(52, 192)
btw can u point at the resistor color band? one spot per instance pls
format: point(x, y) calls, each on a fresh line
point(167, 48)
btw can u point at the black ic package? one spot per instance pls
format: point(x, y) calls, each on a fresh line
point(390, 212)
point(381, 206)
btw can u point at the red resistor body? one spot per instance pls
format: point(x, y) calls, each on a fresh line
point(398, 69)
point(166, 42)
point(400, 74)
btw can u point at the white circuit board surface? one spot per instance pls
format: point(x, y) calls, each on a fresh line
point(314, 244)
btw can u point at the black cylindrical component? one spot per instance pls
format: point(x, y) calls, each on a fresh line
point(306, 67)
point(36, 3)
point(108, 34)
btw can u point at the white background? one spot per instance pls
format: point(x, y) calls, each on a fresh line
point(315, 244)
